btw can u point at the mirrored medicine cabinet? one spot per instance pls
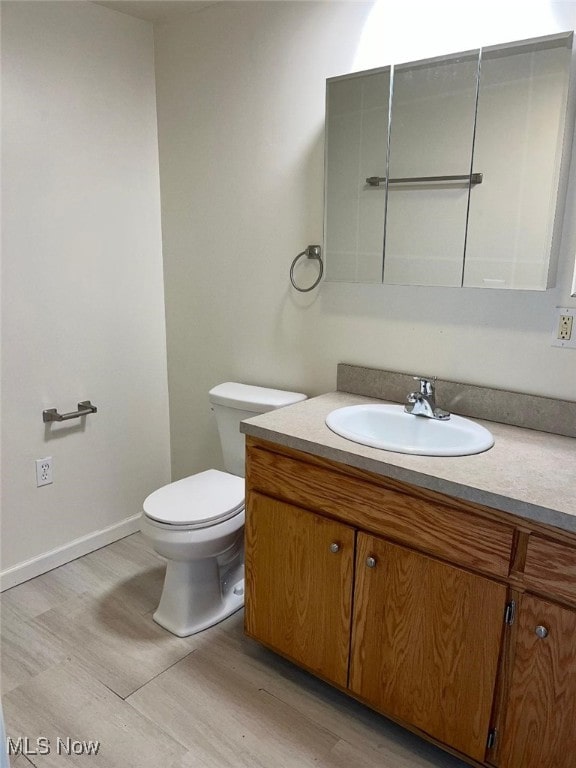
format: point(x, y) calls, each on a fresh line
point(450, 171)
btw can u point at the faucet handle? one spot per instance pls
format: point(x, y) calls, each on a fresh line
point(427, 384)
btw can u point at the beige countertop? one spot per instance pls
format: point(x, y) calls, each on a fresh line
point(527, 473)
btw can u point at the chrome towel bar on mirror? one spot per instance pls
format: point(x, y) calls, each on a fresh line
point(473, 178)
point(84, 408)
point(312, 252)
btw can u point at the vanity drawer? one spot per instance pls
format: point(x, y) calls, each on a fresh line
point(401, 513)
point(551, 568)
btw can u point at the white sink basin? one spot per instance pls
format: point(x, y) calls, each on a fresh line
point(391, 428)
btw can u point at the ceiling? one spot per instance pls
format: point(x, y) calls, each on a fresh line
point(155, 10)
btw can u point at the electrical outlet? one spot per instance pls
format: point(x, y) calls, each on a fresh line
point(564, 328)
point(44, 471)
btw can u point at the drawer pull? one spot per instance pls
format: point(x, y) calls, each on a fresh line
point(371, 562)
point(334, 547)
point(541, 631)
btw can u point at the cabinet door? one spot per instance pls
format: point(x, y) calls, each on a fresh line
point(299, 585)
point(431, 134)
point(520, 126)
point(357, 110)
point(426, 642)
point(540, 726)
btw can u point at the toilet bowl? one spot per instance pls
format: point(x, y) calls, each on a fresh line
point(197, 523)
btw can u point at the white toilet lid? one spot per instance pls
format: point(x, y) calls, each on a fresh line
point(208, 497)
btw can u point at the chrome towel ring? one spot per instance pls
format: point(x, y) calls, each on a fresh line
point(312, 252)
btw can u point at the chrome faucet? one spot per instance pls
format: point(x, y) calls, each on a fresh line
point(422, 403)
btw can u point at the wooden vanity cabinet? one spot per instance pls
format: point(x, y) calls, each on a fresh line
point(537, 726)
point(426, 642)
point(403, 598)
point(425, 635)
point(539, 723)
point(299, 581)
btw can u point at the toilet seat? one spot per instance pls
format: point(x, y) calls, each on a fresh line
point(198, 501)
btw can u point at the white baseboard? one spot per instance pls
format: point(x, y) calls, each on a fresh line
point(29, 569)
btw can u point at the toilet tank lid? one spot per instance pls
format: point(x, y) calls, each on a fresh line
point(251, 398)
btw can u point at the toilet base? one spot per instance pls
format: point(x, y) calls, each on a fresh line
point(196, 596)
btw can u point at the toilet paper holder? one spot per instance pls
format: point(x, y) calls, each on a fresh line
point(84, 408)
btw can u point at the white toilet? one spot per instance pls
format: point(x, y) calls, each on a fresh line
point(197, 523)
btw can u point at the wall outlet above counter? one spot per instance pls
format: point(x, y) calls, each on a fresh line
point(564, 331)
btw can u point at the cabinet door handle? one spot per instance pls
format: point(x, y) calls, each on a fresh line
point(371, 562)
point(334, 547)
point(541, 631)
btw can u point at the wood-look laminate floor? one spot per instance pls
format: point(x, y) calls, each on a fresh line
point(83, 660)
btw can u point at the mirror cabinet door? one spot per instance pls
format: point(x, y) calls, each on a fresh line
point(356, 147)
point(520, 123)
point(496, 117)
point(431, 135)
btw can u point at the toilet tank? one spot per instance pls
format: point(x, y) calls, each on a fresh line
point(232, 403)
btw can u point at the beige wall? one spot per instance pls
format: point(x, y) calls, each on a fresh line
point(240, 91)
point(83, 311)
